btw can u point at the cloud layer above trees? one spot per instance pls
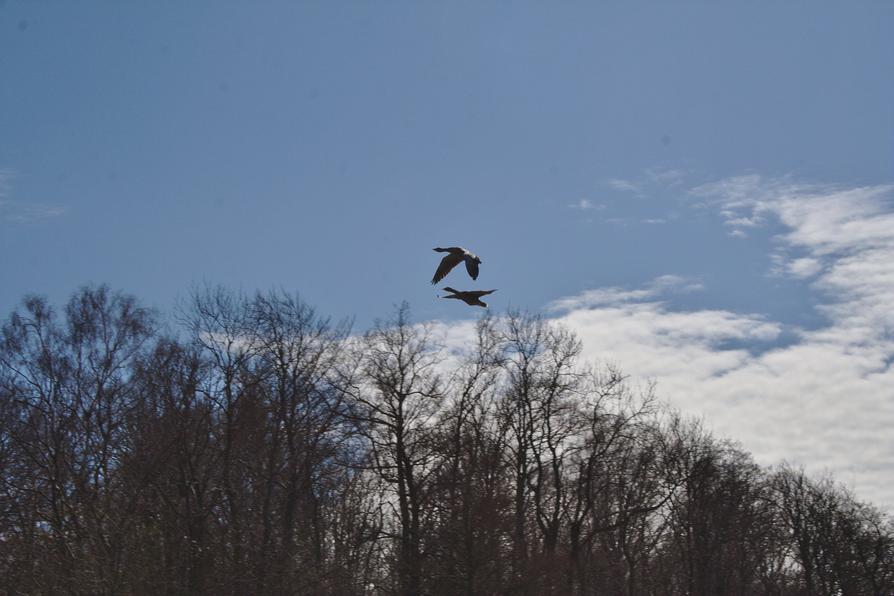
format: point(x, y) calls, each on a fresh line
point(824, 399)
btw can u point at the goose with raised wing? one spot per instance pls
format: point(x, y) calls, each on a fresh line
point(455, 256)
point(472, 298)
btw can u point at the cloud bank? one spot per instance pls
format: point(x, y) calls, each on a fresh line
point(825, 399)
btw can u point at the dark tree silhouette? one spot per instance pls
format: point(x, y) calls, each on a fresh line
point(258, 448)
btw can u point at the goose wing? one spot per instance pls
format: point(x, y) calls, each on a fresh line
point(480, 293)
point(447, 263)
point(472, 266)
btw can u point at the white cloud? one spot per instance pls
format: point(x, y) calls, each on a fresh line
point(666, 177)
point(614, 296)
point(651, 179)
point(804, 267)
point(19, 211)
point(743, 222)
point(597, 298)
point(676, 283)
point(16, 211)
point(649, 340)
point(586, 204)
point(624, 185)
point(825, 398)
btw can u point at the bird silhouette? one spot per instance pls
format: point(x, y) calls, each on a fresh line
point(472, 298)
point(455, 256)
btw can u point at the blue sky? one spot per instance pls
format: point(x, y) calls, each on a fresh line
point(707, 180)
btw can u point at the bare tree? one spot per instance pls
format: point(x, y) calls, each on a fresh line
point(218, 323)
point(271, 451)
point(66, 384)
point(396, 397)
point(841, 545)
point(472, 500)
point(297, 353)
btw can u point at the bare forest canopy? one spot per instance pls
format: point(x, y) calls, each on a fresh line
point(251, 446)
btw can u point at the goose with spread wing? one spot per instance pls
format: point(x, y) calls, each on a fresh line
point(472, 298)
point(455, 256)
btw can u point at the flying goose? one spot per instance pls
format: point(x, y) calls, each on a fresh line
point(457, 254)
point(472, 298)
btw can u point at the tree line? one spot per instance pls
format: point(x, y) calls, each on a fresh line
point(249, 445)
